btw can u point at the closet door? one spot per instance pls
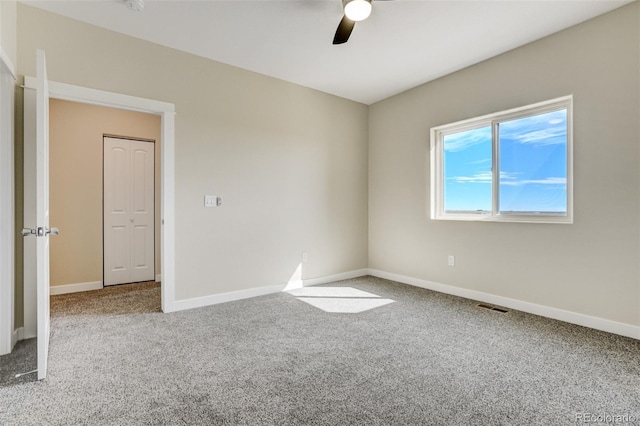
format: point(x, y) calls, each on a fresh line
point(129, 246)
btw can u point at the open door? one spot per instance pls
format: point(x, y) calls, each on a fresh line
point(42, 211)
point(42, 230)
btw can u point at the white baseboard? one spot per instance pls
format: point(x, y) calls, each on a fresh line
point(214, 299)
point(602, 324)
point(18, 334)
point(23, 335)
point(75, 288)
point(158, 278)
point(337, 277)
point(198, 302)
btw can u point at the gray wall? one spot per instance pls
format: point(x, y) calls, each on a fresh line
point(8, 28)
point(289, 162)
point(301, 170)
point(589, 267)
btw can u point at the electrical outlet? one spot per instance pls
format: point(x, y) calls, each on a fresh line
point(305, 256)
point(451, 260)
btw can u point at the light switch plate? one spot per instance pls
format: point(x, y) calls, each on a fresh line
point(210, 200)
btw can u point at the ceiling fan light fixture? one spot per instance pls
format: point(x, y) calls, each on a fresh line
point(357, 10)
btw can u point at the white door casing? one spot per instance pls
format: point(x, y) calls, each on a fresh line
point(167, 170)
point(129, 228)
point(42, 211)
point(8, 335)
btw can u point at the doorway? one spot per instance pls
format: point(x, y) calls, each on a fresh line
point(77, 195)
point(36, 186)
point(166, 221)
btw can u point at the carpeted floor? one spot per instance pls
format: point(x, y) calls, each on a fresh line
point(365, 351)
point(127, 299)
point(22, 361)
point(120, 299)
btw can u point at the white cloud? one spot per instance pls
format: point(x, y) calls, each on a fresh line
point(509, 175)
point(476, 178)
point(545, 181)
point(508, 178)
point(553, 136)
point(463, 140)
point(483, 161)
point(538, 130)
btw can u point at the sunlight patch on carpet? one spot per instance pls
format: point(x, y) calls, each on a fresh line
point(346, 300)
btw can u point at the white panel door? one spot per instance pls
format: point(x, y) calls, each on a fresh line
point(129, 231)
point(42, 211)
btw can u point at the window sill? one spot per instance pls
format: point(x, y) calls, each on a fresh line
point(552, 219)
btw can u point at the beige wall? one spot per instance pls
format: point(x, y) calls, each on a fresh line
point(589, 267)
point(8, 23)
point(289, 162)
point(75, 134)
point(301, 170)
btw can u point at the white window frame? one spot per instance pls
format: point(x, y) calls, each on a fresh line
point(437, 168)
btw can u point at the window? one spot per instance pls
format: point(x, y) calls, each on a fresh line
point(513, 166)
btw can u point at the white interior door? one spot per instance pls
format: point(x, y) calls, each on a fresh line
point(129, 228)
point(42, 211)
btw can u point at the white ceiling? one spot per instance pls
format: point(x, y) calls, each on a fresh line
point(403, 44)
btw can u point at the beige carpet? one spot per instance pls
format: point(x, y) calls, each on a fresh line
point(143, 297)
point(365, 351)
point(123, 299)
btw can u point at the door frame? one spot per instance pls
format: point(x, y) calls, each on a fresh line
point(8, 336)
point(166, 111)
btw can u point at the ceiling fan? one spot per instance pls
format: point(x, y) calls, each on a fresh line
point(354, 11)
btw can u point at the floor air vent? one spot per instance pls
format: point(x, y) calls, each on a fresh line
point(492, 308)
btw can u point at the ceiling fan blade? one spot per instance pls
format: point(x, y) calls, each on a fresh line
point(344, 30)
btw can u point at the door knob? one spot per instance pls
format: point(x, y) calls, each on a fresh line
point(39, 231)
point(29, 231)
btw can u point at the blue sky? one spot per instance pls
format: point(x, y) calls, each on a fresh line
point(533, 159)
